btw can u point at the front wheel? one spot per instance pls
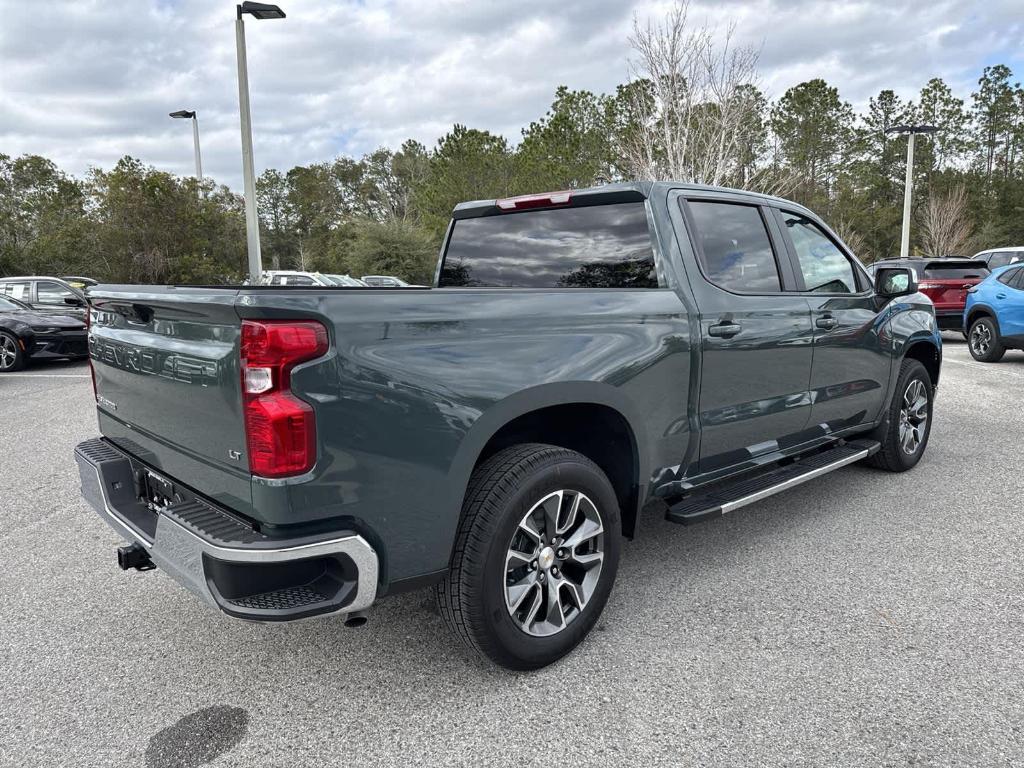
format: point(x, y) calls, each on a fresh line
point(983, 341)
point(535, 557)
point(11, 356)
point(904, 434)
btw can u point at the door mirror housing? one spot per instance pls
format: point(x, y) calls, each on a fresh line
point(895, 281)
point(74, 301)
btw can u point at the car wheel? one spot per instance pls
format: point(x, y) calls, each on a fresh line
point(904, 434)
point(535, 557)
point(11, 356)
point(983, 341)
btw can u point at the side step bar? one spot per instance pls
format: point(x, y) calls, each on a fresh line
point(726, 498)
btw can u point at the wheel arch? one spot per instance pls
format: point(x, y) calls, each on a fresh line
point(592, 418)
point(928, 354)
point(981, 310)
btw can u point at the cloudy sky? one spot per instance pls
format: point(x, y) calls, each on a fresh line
point(85, 82)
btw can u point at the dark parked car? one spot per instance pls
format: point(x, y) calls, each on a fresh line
point(51, 294)
point(28, 334)
point(293, 451)
point(945, 282)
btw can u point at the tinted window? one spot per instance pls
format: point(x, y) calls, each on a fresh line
point(1008, 276)
point(938, 270)
point(600, 246)
point(52, 293)
point(1000, 259)
point(735, 251)
point(8, 305)
point(825, 268)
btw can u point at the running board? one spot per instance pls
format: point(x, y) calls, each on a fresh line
point(715, 503)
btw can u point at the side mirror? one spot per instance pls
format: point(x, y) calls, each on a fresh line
point(895, 281)
point(74, 301)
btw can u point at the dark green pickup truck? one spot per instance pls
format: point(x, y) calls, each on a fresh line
point(287, 452)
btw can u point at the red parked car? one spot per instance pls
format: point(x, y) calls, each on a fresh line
point(945, 282)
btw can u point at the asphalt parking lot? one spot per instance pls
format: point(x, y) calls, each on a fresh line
point(864, 619)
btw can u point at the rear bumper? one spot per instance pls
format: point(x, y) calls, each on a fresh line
point(223, 560)
point(950, 319)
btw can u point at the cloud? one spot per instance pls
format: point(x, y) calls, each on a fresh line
point(87, 82)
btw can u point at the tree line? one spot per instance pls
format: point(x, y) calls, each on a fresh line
point(691, 111)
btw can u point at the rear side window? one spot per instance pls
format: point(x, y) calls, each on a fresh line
point(1008, 277)
point(734, 248)
point(17, 290)
point(938, 270)
point(825, 268)
point(598, 246)
point(1000, 259)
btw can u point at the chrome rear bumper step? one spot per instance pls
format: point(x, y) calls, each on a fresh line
point(728, 497)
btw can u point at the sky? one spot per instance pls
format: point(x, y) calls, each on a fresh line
point(85, 82)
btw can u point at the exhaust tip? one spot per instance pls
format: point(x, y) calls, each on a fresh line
point(357, 619)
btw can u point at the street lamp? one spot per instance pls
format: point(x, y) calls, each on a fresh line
point(252, 223)
point(912, 130)
point(183, 114)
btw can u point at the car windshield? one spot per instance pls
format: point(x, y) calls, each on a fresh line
point(8, 304)
point(961, 270)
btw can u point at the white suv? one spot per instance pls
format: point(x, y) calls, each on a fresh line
point(1000, 257)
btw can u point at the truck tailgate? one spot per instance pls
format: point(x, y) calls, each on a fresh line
point(166, 366)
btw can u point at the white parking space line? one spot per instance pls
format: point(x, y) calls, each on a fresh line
point(987, 367)
point(44, 376)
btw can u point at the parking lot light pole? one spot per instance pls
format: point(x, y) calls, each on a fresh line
point(186, 113)
point(252, 222)
point(912, 131)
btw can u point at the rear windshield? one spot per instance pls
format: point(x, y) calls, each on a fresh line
point(599, 246)
point(938, 270)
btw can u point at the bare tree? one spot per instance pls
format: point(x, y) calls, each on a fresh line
point(694, 116)
point(945, 223)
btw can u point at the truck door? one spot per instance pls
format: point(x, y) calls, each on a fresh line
point(852, 357)
point(755, 337)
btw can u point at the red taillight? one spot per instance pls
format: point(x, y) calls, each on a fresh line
point(280, 429)
point(534, 201)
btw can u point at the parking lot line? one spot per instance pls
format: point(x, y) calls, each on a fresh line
point(45, 375)
point(989, 367)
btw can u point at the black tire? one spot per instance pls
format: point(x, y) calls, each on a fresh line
point(12, 358)
point(983, 341)
point(501, 493)
point(893, 456)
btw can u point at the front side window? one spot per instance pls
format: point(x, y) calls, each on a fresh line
point(825, 268)
point(734, 248)
point(52, 293)
point(597, 246)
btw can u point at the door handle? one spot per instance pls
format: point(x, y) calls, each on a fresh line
point(725, 330)
point(826, 322)
point(1000, 295)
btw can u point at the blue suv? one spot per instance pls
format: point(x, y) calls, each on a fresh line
point(994, 314)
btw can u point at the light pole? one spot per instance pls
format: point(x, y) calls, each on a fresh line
point(912, 131)
point(185, 113)
point(252, 222)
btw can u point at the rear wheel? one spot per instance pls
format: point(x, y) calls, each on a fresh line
point(904, 435)
point(983, 341)
point(535, 557)
point(11, 356)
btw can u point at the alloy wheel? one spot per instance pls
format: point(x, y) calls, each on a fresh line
point(553, 562)
point(913, 416)
point(8, 352)
point(981, 339)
